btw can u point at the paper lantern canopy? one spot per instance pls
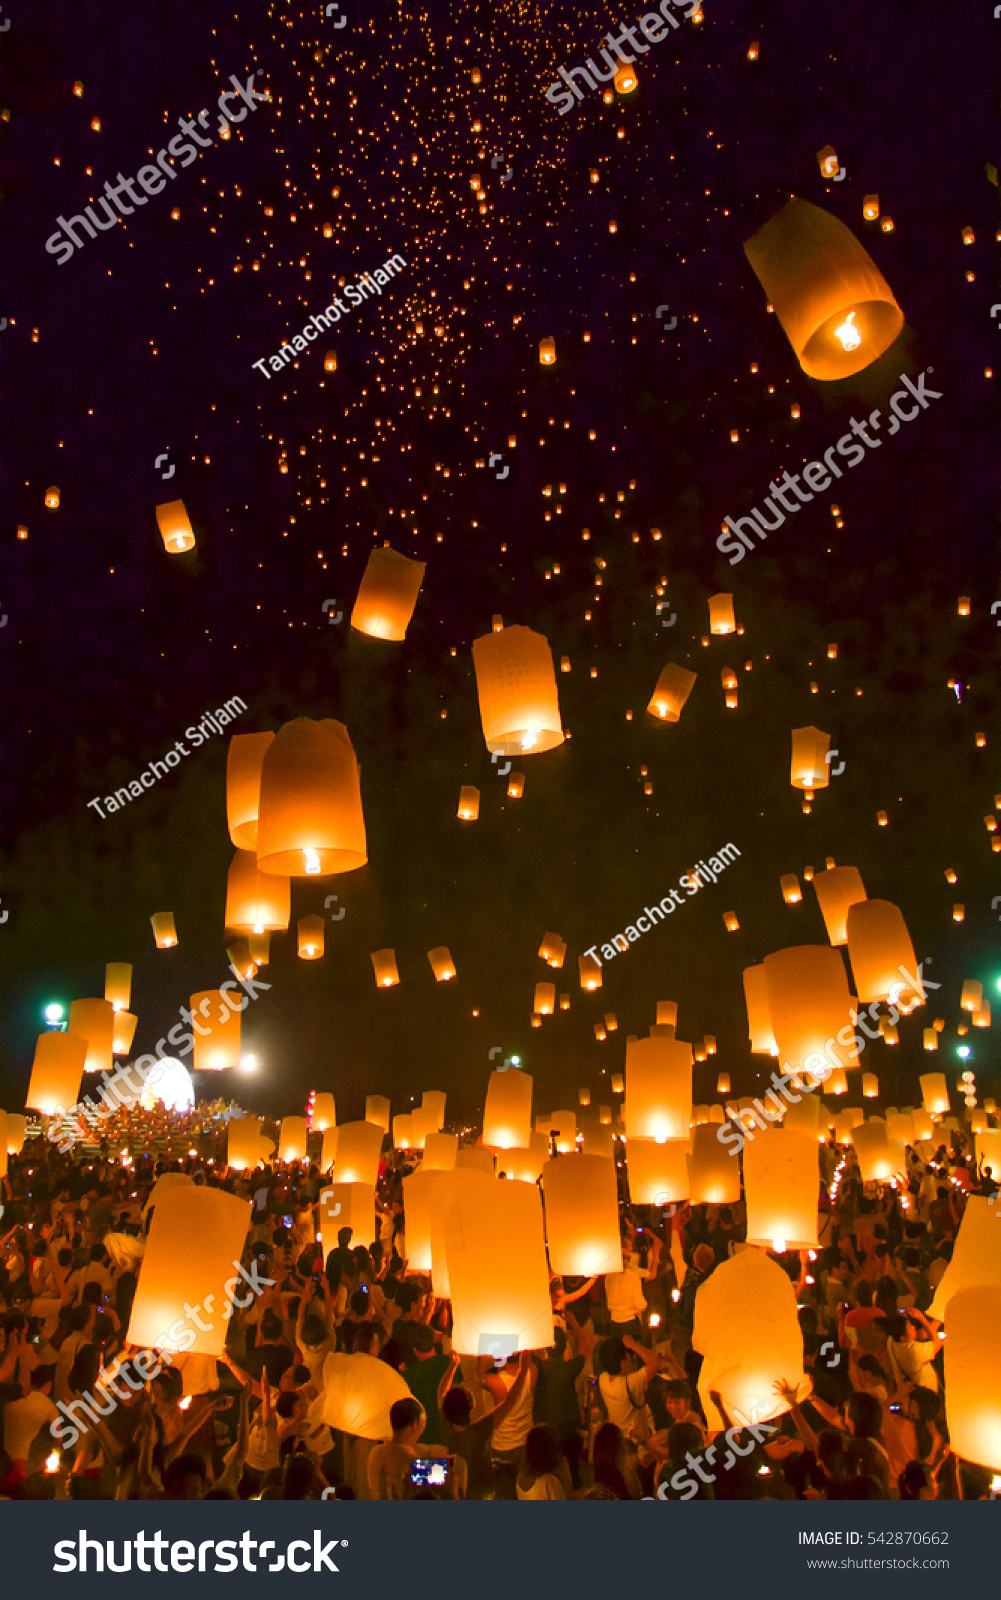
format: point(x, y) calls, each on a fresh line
point(496, 1255)
point(309, 938)
point(673, 688)
point(658, 1088)
point(387, 594)
point(311, 821)
point(782, 1189)
point(217, 1046)
point(746, 1328)
point(164, 931)
point(292, 1139)
point(516, 686)
point(358, 1150)
point(658, 1171)
point(880, 1158)
point(582, 1215)
point(94, 1020)
point(809, 1004)
point(118, 984)
point(124, 1032)
point(247, 1146)
point(56, 1072)
point(195, 1237)
point(243, 786)
point(442, 964)
point(256, 902)
point(721, 618)
point(972, 1363)
point(384, 965)
point(934, 1093)
point(879, 945)
point(759, 1021)
point(834, 305)
point(377, 1111)
point(810, 768)
point(507, 1115)
point(359, 1391)
point(713, 1171)
point(175, 527)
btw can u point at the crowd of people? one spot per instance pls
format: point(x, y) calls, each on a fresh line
point(610, 1411)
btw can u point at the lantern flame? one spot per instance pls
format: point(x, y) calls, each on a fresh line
point(779, 1246)
point(531, 739)
point(849, 335)
point(312, 862)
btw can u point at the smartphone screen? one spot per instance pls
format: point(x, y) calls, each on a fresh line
point(433, 1473)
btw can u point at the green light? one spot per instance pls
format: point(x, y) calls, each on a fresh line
point(516, 1061)
point(54, 1013)
point(963, 1050)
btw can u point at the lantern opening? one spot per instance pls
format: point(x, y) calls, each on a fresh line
point(849, 335)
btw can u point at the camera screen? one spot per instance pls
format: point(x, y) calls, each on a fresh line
point(433, 1473)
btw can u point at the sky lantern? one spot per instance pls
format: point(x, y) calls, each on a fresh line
point(658, 1170)
point(837, 889)
point(934, 1092)
point(878, 946)
point(721, 618)
point(118, 984)
point(442, 964)
point(880, 1158)
point(810, 768)
point(311, 821)
point(975, 1261)
point(309, 938)
point(469, 803)
point(94, 1020)
point(440, 1150)
point(359, 1146)
point(972, 1363)
point(217, 1044)
point(659, 1088)
point(124, 1032)
point(713, 1173)
point(347, 1205)
point(625, 80)
point(582, 1215)
point(545, 999)
point(384, 965)
point(387, 594)
point(418, 1197)
point(194, 1238)
point(552, 950)
point(402, 1131)
point(672, 690)
point(259, 948)
point(988, 1145)
point(256, 902)
point(433, 1104)
point(870, 1085)
point(516, 686)
point(377, 1111)
point(564, 1125)
point(56, 1072)
point(835, 307)
point(292, 1139)
point(359, 1392)
point(507, 1114)
point(325, 1112)
point(247, 1146)
point(175, 526)
point(746, 1328)
point(590, 972)
point(496, 1255)
point(809, 1004)
point(782, 1189)
point(827, 160)
point(792, 894)
point(164, 931)
point(972, 995)
point(243, 786)
point(547, 352)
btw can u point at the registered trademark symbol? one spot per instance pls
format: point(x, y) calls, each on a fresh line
point(344, 1542)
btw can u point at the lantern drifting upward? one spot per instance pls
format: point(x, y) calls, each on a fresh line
point(243, 787)
point(440, 1151)
point(880, 1158)
point(387, 595)
point(94, 1020)
point(658, 1171)
point(545, 999)
point(311, 821)
point(746, 1329)
point(934, 1093)
point(358, 1148)
point(834, 305)
point(582, 1217)
point(125, 1031)
point(217, 1042)
point(516, 688)
point(673, 688)
point(809, 1005)
point(879, 948)
point(442, 964)
point(56, 1072)
point(309, 938)
point(782, 1189)
point(175, 526)
point(402, 1131)
point(496, 1256)
point(377, 1111)
point(384, 964)
point(164, 932)
point(195, 1237)
point(118, 984)
point(810, 768)
point(292, 1139)
point(721, 618)
point(659, 1088)
point(590, 972)
point(713, 1174)
point(547, 352)
point(792, 894)
point(837, 890)
point(507, 1114)
point(256, 902)
point(246, 1145)
point(972, 1363)
point(469, 803)
point(324, 1112)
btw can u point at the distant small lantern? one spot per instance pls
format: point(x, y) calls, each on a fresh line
point(752, 50)
point(673, 688)
point(469, 803)
point(52, 499)
point(547, 352)
point(827, 160)
point(625, 80)
point(164, 931)
point(516, 786)
point(387, 594)
point(721, 618)
point(384, 963)
point(590, 972)
point(870, 207)
point(310, 938)
point(175, 527)
point(330, 361)
point(958, 912)
point(792, 894)
point(730, 920)
point(442, 964)
point(968, 236)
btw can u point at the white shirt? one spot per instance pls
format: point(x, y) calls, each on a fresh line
point(623, 1294)
point(625, 1401)
point(21, 1421)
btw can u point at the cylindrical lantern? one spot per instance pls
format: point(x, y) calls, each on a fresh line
point(583, 1097)
point(311, 820)
point(988, 1145)
point(870, 1085)
point(507, 1115)
point(328, 1150)
point(972, 1363)
point(934, 1093)
point(759, 1022)
point(259, 946)
point(598, 1140)
point(792, 894)
point(880, 1158)
point(118, 984)
point(667, 1013)
point(477, 1159)
point(930, 1038)
point(469, 803)
point(837, 1083)
point(713, 1171)
point(497, 1271)
point(879, 945)
point(402, 1131)
point(618, 1082)
point(359, 1146)
point(658, 1088)
point(552, 950)
point(387, 594)
point(834, 305)
point(547, 352)
point(809, 1004)
point(590, 972)
point(125, 1031)
point(721, 618)
point(292, 1139)
point(419, 1191)
point(56, 1072)
point(433, 1104)
point(582, 1215)
point(247, 1146)
point(746, 1328)
point(325, 1112)
point(384, 965)
point(516, 786)
point(442, 964)
point(193, 1250)
point(94, 1020)
point(810, 768)
point(658, 1170)
point(545, 999)
point(175, 527)
point(900, 1127)
point(605, 1116)
point(440, 1150)
point(976, 1259)
point(782, 1189)
point(347, 1205)
point(243, 786)
point(516, 686)
point(723, 1083)
point(838, 889)
point(377, 1111)
point(970, 999)
point(564, 1125)
point(672, 690)
point(309, 937)
point(217, 1044)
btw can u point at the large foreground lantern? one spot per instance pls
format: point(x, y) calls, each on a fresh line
point(673, 687)
point(358, 1394)
point(746, 1328)
point(243, 786)
point(810, 768)
point(713, 1173)
point(311, 820)
point(837, 890)
point(516, 686)
point(256, 902)
point(658, 1170)
point(879, 946)
point(247, 1146)
point(217, 1040)
point(195, 1243)
point(496, 1255)
point(56, 1072)
point(582, 1215)
point(118, 984)
point(440, 1150)
point(658, 1088)
point(387, 594)
point(972, 1364)
point(419, 1192)
point(835, 307)
point(358, 1149)
point(782, 1189)
point(880, 1157)
point(94, 1020)
point(976, 1259)
point(507, 1115)
point(809, 1005)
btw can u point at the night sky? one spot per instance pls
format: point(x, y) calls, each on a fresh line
point(143, 343)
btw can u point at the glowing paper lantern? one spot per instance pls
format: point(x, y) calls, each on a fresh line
point(834, 305)
point(976, 1260)
point(377, 1111)
point(781, 1188)
point(469, 803)
point(359, 1146)
point(292, 1139)
point(747, 1330)
point(195, 1238)
point(118, 984)
point(94, 1020)
point(433, 1106)
point(972, 1362)
point(497, 1271)
point(878, 946)
point(590, 972)
point(477, 1159)
point(809, 1004)
point(721, 618)
point(880, 1158)
point(516, 686)
point(217, 1046)
point(900, 1127)
point(311, 821)
point(583, 1097)
point(545, 999)
point(243, 786)
point(934, 1093)
point(309, 938)
point(442, 964)
point(810, 768)
point(598, 1140)
point(803, 1115)
point(930, 1038)
point(507, 1115)
point(658, 1088)
point(658, 1170)
point(988, 1146)
point(516, 786)
point(175, 527)
point(870, 1085)
point(828, 161)
point(667, 1013)
point(674, 686)
point(418, 1193)
point(713, 1172)
point(547, 352)
point(440, 1150)
point(259, 946)
point(792, 894)
point(552, 950)
point(723, 1083)
point(56, 1072)
point(247, 1146)
point(124, 1032)
point(256, 902)
point(358, 1393)
point(972, 996)
point(384, 965)
point(759, 1022)
point(402, 1131)
point(387, 594)
point(564, 1125)
point(582, 1215)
